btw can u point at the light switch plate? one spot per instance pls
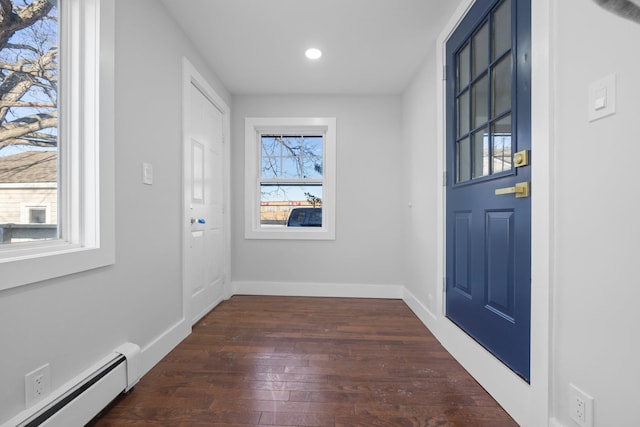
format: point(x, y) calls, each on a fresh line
point(602, 98)
point(147, 173)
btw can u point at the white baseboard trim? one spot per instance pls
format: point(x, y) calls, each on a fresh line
point(163, 344)
point(426, 316)
point(553, 422)
point(334, 290)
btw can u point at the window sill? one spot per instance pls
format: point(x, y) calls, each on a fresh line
point(291, 234)
point(58, 259)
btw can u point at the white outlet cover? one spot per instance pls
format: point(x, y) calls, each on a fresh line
point(576, 394)
point(602, 98)
point(35, 394)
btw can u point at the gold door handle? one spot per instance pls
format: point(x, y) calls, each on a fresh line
point(521, 189)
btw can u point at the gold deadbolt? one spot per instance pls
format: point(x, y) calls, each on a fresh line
point(521, 189)
point(521, 158)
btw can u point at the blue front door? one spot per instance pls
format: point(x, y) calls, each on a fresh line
point(488, 213)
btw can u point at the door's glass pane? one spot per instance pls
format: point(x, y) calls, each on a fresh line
point(480, 154)
point(463, 69)
point(480, 50)
point(279, 201)
point(480, 92)
point(501, 86)
point(463, 157)
point(501, 142)
point(501, 37)
point(463, 114)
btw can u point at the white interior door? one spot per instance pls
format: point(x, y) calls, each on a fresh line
point(204, 182)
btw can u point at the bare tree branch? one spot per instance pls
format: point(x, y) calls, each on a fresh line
point(12, 21)
point(26, 125)
point(4, 104)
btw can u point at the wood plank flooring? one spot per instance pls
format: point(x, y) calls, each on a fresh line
point(289, 361)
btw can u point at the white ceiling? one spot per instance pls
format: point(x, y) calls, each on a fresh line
point(257, 46)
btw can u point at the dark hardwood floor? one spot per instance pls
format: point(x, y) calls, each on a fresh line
point(289, 361)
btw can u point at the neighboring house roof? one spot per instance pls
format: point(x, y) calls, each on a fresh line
point(30, 166)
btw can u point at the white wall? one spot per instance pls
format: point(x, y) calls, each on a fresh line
point(368, 246)
point(72, 322)
point(420, 150)
point(596, 316)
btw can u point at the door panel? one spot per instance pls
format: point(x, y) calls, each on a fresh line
point(204, 262)
point(462, 251)
point(488, 236)
point(499, 230)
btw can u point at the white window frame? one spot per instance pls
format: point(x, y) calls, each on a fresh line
point(86, 215)
point(255, 127)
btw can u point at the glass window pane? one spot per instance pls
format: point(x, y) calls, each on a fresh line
point(501, 141)
point(313, 146)
point(480, 92)
point(501, 86)
point(278, 202)
point(270, 146)
point(501, 37)
point(463, 113)
point(463, 158)
point(463, 67)
point(480, 50)
point(291, 156)
point(292, 167)
point(313, 153)
point(28, 123)
point(270, 155)
point(291, 145)
point(313, 167)
point(480, 152)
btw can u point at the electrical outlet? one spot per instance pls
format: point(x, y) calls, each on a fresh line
point(37, 385)
point(580, 407)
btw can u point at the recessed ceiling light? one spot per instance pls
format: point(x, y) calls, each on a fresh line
point(313, 53)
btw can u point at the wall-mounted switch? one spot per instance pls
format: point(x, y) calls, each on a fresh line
point(602, 98)
point(147, 173)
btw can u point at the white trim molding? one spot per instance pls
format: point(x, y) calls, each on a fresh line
point(327, 290)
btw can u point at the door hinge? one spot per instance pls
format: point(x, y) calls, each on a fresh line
point(444, 284)
point(444, 178)
point(444, 72)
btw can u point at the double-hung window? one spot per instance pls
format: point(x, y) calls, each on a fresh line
point(290, 178)
point(56, 138)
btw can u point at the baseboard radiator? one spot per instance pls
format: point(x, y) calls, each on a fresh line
point(81, 399)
